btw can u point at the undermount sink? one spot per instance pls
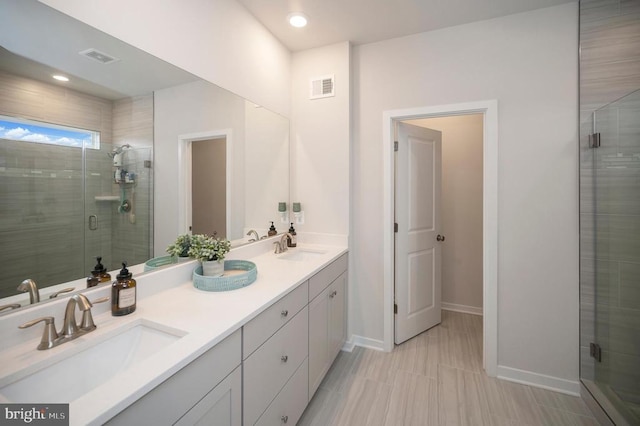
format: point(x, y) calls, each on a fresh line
point(301, 255)
point(78, 374)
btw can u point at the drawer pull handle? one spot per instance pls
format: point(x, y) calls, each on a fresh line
point(284, 419)
point(284, 313)
point(333, 294)
point(284, 358)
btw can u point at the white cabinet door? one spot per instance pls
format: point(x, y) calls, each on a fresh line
point(337, 316)
point(318, 339)
point(220, 407)
point(327, 330)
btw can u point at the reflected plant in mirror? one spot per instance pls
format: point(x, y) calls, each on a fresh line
point(180, 247)
point(77, 158)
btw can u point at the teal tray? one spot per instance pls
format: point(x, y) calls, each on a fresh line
point(226, 283)
point(158, 262)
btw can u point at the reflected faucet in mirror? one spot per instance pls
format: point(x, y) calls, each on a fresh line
point(30, 286)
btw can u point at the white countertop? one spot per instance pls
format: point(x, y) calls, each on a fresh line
point(206, 318)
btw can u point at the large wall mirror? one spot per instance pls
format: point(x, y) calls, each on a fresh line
point(120, 159)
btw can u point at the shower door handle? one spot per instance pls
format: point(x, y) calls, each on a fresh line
point(93, 222)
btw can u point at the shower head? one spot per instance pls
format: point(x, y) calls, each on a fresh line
point(118, 150)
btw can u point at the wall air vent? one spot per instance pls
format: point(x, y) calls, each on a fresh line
point(322, 87)
point(98, 56)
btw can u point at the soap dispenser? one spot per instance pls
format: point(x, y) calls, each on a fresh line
point(123, 293)
point(293, 240)
point(98, 275)
point(272, 230)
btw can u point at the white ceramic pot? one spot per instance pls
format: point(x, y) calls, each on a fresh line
point(182, 259)
point(212, 268)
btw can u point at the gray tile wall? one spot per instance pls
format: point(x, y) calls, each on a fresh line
point(609, 188)
point(131, 235)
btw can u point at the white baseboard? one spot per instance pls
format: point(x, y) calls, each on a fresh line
point(461, 308)
point(363, 342)
point(539, 380)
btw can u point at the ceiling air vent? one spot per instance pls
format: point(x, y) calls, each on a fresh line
point(98, 56)
point(322, 87)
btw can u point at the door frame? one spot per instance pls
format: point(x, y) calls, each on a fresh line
point(489, 109)
point(184, 175)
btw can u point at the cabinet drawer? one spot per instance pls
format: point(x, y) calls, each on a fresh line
point(290, 403)
point(259, 329)
point(270, 367)
point(326, 276)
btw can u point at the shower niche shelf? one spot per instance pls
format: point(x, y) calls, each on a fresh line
point(107, 198)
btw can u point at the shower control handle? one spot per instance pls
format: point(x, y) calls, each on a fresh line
point(440, 237)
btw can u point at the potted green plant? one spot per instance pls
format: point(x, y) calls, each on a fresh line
point(211, 252)
point(180, 247)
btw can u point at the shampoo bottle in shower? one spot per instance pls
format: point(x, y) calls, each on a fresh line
point(123, 293)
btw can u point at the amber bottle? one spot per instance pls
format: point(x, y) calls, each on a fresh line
point(123, 293)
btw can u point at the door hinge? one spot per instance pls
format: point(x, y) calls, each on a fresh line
point(395, 227)
point(594, 140)
point(595, 351)
point(395, 308)
point(395, 146)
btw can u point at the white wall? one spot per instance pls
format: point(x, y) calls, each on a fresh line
point(320, 133)
point(187, 109)
point(528, 62)
point(217, 40)
point(461, 209)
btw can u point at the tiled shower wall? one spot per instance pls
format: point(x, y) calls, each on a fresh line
point(132, 232)
point(609, 187)
point(42, 236)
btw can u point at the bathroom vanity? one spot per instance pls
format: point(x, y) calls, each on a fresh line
point(250, 356)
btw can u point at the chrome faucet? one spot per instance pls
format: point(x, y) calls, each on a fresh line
point(253, 232)
point(30, 286)
point(69, 325)
point(70, 330)
point(281, 246)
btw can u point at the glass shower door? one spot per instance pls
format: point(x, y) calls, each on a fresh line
point(615, 222)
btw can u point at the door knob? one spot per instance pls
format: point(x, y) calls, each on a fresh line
point(440, 237)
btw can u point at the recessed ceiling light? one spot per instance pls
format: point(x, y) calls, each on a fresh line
point(297, 20)
point(60, 77)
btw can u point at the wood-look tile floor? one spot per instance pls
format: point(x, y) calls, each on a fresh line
point(435, 378)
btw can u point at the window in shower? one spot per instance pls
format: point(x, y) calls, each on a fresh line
point(18, 129)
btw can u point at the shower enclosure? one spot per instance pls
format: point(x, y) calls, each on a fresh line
point(610, 208)
point(610, 259)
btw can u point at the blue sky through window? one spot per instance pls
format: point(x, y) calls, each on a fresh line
point(32, 131)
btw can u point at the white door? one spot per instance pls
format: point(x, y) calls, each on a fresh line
point(417, 242)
